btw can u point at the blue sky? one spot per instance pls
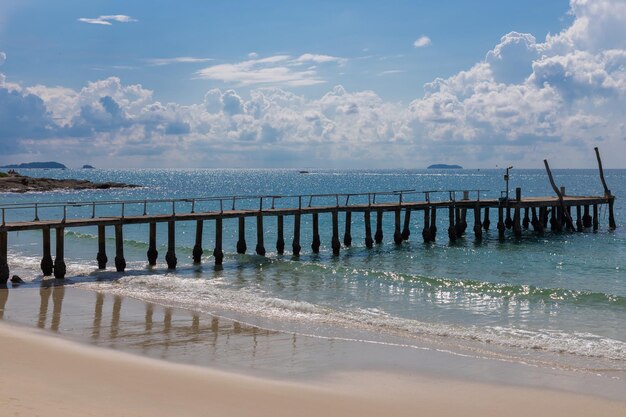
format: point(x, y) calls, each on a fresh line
point(325, 83)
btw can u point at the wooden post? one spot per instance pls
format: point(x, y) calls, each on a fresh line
point(347, 236)
point(579, 221)
point(526, 221)
point(612, 224)
point(280, 238)
point(152, 253)
point(59, 261)
point(433, 223)
point(486, 221)
point(4, 260)
point(218, 251)
point(406, 229)
point(378, 236)
point(47, 266)
point(567, 218)
point(315, 245)
point(595, 218)
point(586, 217)
point(295, 245)
point(197, 247)
point(517, 226)
point(463, 220)
point(478, 229)
point(241, 242)
point(120, 262)
point(397, 234)
point(369, 242)
point(534, 219)
point(451, 226)
point(508, 223)
point(555, 225)
point(541, 222)
point(501, 225)
point(458, 225)
point(170, 256)
point(335, 239)
point(426, 230)
point(260, 244)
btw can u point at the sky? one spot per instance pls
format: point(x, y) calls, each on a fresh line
point(326, 84)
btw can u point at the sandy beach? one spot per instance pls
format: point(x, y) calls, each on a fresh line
point(49, 376)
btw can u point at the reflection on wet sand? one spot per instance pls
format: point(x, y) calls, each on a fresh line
point(4, 296)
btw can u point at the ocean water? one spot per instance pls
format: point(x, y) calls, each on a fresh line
point(558, 300)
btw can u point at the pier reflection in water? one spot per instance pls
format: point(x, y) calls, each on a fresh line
point(152, 330)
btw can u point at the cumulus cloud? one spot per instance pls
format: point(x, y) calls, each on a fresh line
point(554, 97)
point(106, 20)
point(282, 70)
point(421, 42)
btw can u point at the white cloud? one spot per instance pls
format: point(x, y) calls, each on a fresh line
point(107, 19)
point(273, 70)
point(253, 55)
point(3, 58)
point(177, 60)
point(391, 72)
point(556, 97)
point(421, 42)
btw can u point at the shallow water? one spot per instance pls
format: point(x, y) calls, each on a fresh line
point(558, 299)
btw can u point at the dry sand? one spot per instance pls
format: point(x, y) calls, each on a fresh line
point(46, 376)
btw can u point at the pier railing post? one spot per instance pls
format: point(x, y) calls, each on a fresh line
point(101, 257)
point(59, 261)
point(47, 266)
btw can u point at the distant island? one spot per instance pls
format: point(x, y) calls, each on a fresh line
point(444, 166)
point(88, 167)
point(37, 165)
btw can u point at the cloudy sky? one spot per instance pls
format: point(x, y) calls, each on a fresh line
point(330, 84)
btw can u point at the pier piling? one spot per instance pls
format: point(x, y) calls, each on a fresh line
point(47, 266)
point(120, 262)
point(336, 246)
point(241, 242)
point(295, 244)
point(152, 253)
point(478, 229)
point(218, 251)
point(280, 235)
point(501, 225)
point(4, 265)
point(315, 245)
point(170, 256)
point(59, 261)
point(378, 236)
point(579, 221)
point(347, 236)
point(406, 229)
point(260, 244)
point(595, 218)
point(197, 247)
point(101, 257)
point(369, 242)
point(426, 235)
point(397, 234)
point(433, 224)
point(486, 221)
point(451, 226)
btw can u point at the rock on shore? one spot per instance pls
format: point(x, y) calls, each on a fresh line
point(16, 183)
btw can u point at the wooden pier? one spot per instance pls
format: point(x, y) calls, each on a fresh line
point(515, 214)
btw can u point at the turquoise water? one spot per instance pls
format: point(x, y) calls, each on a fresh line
point(557, 298)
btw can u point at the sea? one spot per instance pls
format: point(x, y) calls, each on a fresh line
point(556, 301)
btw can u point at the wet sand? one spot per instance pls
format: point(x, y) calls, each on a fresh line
point(166, 361)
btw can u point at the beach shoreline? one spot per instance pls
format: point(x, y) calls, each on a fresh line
point(43, 375)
